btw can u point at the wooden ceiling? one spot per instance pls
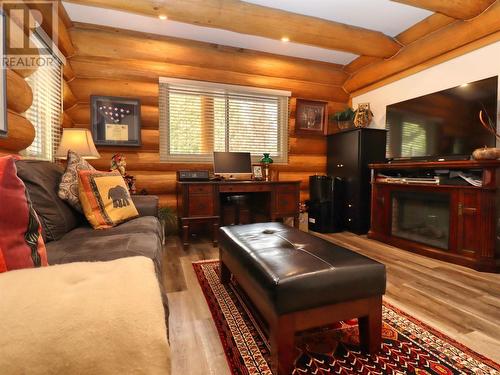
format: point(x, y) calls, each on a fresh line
point(454, 24)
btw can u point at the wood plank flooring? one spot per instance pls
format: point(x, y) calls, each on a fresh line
point(462, 303)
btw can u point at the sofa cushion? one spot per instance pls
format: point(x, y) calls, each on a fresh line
point(83, 318)
point(144, 224)
point(68, 188)
point(42, 181)
point(21, 243)
point(137, 237)
point(105, 199)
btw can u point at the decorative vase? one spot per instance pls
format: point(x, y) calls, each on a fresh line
point(486, 153)
point(266, 161)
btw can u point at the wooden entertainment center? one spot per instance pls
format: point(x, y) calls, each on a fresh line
point(449, 220)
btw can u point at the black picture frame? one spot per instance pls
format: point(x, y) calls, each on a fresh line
point(116, 121)
point(3, 78)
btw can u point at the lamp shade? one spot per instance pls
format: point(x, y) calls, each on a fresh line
point(79, 141)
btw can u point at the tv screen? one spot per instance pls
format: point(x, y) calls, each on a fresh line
point(442, 125)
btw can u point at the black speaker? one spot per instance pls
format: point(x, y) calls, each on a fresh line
point(326, 204)
point(320, 188)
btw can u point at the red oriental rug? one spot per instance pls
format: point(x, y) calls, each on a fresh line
point(409, 346)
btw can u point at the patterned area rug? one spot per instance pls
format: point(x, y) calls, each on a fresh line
point(409, 346)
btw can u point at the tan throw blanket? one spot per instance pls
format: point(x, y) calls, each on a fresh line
point(83, 318)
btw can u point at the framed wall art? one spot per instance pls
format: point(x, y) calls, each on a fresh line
point(310, 117)
point(116, 121)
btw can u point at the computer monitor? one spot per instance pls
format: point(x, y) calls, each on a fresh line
point(233, 165)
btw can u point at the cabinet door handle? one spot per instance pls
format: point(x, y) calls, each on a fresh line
point(460, 209)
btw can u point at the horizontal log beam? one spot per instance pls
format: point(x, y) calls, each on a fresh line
point(425, 27)
point(68, 72)
point(487, 40)
point(80, 114)
point(97, 41)
point(150, 161)
point(21, 133)
point(251, 19)
point(168, 200)
point(69, 99)
point(67, 122)
point(459, 9)
point(144, 71)
point(433, 45)
point(19, 93)
point(410, 35)
point(146, 92)
point(360, 62)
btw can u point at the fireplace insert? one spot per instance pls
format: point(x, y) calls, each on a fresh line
point(421, 217)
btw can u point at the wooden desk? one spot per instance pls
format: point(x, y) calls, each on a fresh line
point(200, 202)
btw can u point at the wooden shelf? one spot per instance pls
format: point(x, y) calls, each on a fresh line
point(436, 187)
point(452, 164)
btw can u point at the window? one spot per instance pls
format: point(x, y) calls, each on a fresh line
point(197, 118)
point(46, 111)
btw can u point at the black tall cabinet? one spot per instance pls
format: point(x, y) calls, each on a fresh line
point(349, 154)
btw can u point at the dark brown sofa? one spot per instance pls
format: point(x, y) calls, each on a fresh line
point(67, 234)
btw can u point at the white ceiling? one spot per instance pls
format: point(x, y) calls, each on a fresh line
point(383, 15)
point(386, 16)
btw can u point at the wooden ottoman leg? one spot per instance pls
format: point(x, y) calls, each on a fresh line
point(370, 328)
point(282, 336)
point(225, 274)
point(185, 234)
point(215, 231)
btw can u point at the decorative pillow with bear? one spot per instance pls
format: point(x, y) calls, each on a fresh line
point(105, 199)
point(21, 242)
point(68, 188)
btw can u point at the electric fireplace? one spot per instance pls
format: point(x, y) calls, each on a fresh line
point(421, 217)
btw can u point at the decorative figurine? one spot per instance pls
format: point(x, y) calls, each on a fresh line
point(363, 115)
point(119, 163)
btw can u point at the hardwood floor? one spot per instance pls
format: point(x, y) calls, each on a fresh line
point(462, 303)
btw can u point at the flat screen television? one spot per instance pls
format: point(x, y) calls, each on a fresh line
point(443, 125)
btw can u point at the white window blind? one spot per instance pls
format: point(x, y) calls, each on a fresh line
point(46, 111)
point(197, 118)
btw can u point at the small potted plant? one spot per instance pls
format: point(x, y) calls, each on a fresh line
point(344, 118)
point(168, 220)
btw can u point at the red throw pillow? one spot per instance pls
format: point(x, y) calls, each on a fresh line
point(3, 266)
point(21, 242)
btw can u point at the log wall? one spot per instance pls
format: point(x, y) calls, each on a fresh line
point(122, 63)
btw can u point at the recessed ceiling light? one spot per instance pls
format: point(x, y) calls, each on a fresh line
point(163, 17)
point(285, 39)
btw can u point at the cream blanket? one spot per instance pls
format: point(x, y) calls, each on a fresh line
point(83, 318)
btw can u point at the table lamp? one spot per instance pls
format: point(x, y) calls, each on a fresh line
point(79, 141)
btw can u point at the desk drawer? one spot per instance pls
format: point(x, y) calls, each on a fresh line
point(240, 188)
point(287, 203)
point(201, 205)
point(200, 189)
point(288, 188)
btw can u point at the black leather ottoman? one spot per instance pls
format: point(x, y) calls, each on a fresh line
point(298, 281)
